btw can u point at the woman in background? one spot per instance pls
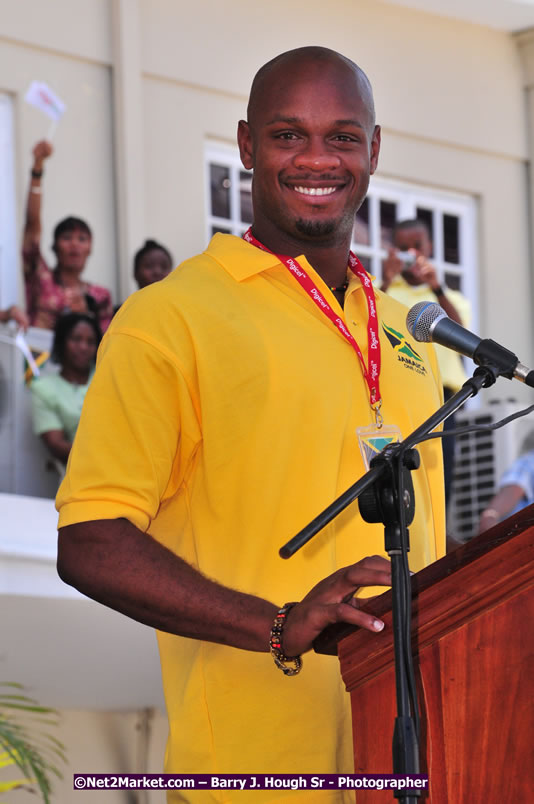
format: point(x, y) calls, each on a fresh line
point(53, 291)
point(57, 399)
point(151, 263)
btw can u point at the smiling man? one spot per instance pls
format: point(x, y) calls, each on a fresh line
point(231, 403)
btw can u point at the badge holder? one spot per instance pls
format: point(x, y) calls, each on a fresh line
point(374, 438)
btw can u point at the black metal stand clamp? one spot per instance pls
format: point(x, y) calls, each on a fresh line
point(386, 495)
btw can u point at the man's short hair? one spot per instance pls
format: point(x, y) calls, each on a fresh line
point(413, 223)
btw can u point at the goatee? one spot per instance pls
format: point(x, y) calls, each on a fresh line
point(315, 229)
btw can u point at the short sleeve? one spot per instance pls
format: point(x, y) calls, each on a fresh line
point(136, 435)
point(521, 473)
point(44, 414)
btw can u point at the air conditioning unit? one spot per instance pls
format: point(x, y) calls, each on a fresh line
point(481, 458)
point(25, 465)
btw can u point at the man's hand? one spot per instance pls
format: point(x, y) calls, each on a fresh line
point(424, 273)
point(41, 152)
point(333, 601)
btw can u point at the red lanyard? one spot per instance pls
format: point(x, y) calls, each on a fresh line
point(371, 372)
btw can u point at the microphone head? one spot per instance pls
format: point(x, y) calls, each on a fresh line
point(422, 318)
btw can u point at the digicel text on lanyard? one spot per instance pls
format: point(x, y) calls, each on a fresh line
point(371, 372)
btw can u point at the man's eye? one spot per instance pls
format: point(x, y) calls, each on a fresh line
point(286, 135)
point(346, 138)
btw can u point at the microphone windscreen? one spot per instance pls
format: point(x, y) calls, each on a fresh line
point(420, 319)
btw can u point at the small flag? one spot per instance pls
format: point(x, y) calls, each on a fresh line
point(34, 358)
point(43, 98)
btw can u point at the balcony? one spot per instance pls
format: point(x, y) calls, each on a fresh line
point(69, 651)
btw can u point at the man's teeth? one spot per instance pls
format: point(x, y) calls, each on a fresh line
point(316, 190)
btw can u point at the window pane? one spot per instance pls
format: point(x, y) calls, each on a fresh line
point(215, 229)
point(220, 191)
point(427, 216)
point(361, 225)
point(245, 195)
point(453, 281)
point(366, 262)
point(451, 239)
point(388, 216)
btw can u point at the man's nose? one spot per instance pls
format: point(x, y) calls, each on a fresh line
point(316, 156)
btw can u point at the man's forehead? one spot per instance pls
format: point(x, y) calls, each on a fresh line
point(296, 81)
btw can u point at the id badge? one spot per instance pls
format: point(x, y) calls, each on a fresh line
point(372, 440)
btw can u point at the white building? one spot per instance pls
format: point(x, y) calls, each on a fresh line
point(146, 148)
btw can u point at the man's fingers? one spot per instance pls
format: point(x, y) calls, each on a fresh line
point(307, 621)
point(347, 613)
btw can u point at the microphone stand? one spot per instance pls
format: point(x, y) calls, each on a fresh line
point(387, 495)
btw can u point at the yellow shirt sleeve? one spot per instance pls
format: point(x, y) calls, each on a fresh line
point(136, 437)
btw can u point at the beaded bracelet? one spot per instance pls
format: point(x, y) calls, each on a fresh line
point(275, 643)
point(36, 174)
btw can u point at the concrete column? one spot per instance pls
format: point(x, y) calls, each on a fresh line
point(525, 44)
point(128, 137)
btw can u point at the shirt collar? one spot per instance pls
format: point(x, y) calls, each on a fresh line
point(239, 258)
point(243, 260)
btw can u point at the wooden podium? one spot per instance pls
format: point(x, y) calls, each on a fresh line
point(473, 645)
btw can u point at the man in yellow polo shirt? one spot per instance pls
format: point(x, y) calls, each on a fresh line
point(231, 403)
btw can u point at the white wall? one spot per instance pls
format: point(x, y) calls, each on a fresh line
point(449, 96)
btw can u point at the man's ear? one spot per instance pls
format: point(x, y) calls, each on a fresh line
point(244, 140)
point(375, 148)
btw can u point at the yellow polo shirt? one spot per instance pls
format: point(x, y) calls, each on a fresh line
point(221, 419)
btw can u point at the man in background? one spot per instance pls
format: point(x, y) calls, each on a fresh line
point(417, 280)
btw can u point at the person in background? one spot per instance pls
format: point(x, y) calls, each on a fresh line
point(151, 263)
point(516, 488)
point(52, 292)
point(418, 281)
point(57, 399)
point(14, 313)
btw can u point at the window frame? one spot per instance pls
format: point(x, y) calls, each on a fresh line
point(9, 257)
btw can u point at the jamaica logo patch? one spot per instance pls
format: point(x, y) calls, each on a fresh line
point(405, 351)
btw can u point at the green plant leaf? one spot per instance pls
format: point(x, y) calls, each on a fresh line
point(24, 743)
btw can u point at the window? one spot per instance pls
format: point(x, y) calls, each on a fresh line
point(450, 217)
point(228, 192)
point(9, 259)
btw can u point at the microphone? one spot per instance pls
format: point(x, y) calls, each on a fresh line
point(428, 322)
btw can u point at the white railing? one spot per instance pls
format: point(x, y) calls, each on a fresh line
point(25, 466)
